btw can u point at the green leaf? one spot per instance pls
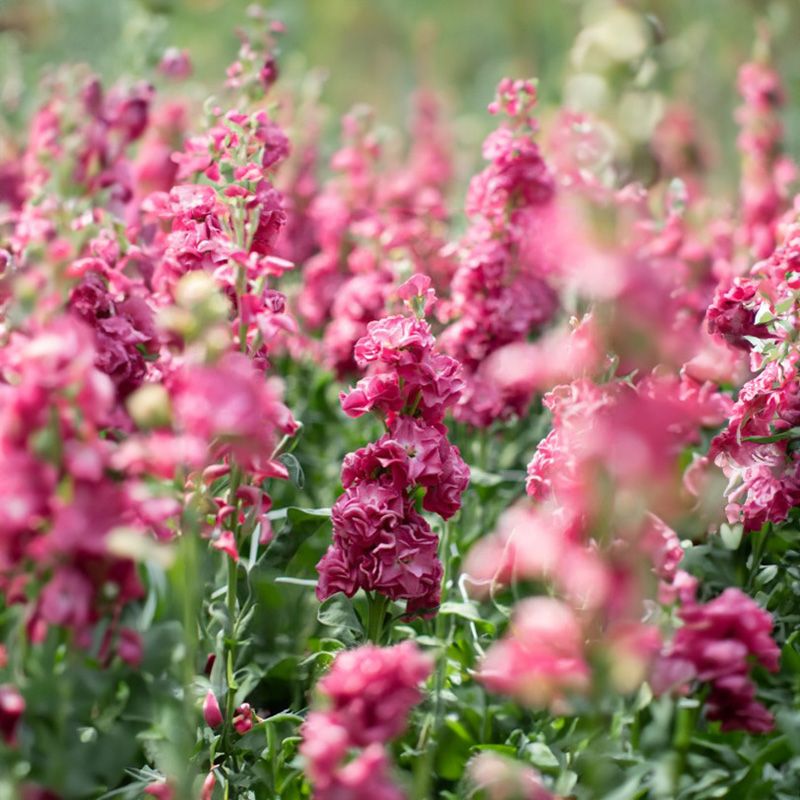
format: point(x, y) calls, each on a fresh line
point(337, 612)
point(541, 756)
point(468, 611)
point(764, 314)
point(766, 575)
point(301, 523)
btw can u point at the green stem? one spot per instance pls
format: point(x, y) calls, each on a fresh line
point(230, 632)
point(376, 613)
point(685, 720)
point(272, 744)
point(423, 774)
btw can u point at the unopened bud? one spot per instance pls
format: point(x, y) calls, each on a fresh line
point(211, 712)
point(149, 406)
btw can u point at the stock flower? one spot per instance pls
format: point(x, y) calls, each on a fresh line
point(380, 543)
point(230, 402)
point(365, 511)
point(372, 689)
point(540, 660)
point(732, 313)
point(12, 707)
point(366, 777)
point(499, 292)
point(243, 719)
point(369, 693)
point(123, 331)
point(325, 744)
point(716, 644)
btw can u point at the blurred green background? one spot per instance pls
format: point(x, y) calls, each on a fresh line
point(378, 51)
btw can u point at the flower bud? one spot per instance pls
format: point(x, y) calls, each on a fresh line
point(195, 289)
point(207, 792)
point(243, 720)
point(12, 706)
point(211, 713)
point(149, 406)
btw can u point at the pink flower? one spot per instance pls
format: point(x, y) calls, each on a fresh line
point(232, 404)
point(161, 790)
point(207, 790)
point(366, 777)
point(540, 661)
point(732, 313)
point(413, 454)
point(335, 574)
point(418, 293)
point(364, 512)
point(129, 647)
point(243, 719)
point(175, 63)
point(715, 645)
point(381, 544)
point(372, 689)
point(385, 459)
point(394, 340)
point(443, 496)
point(325, 744)
point(225, 542)
point(211, 711)
point(12, 707)
point(379, 391)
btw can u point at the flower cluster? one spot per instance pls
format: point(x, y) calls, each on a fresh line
point(63, 502)
point(766, 173)
point(755, 451)
point(368, 222)
point(595, 533)
point(541, 660)
point(500, 292)
point(137, 324)
point(381, 543)
point(369, 693)
point(717, 644)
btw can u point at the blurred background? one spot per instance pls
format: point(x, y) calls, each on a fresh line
point(629, 62)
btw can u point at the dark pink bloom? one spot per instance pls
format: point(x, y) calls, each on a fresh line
point(717, 644)
point(732, 313)
point(161, 790)
point(211, 711)
point(364, 512)
point(243, 719)
point(129, 647)
point(394, 340)
point(335, 574)
point(12, 707)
